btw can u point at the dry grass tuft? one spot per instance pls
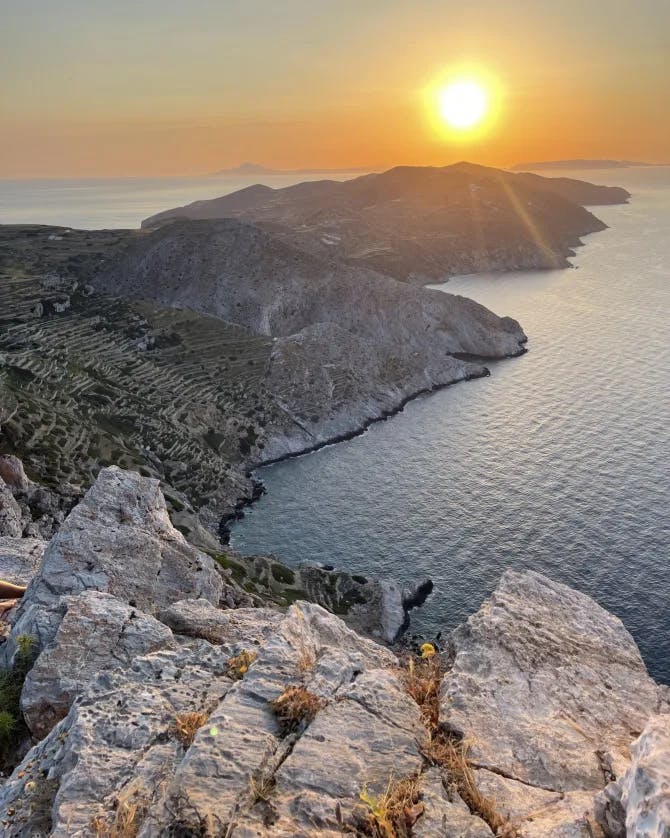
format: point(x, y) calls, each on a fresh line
point(391, 814)
point(451, 755)
point(295, 707)
point(239, 665)
point(132, 805)
point(306, 660)
point(186, 725)
point(306, 651)
point(261, 788)
point(422, 679)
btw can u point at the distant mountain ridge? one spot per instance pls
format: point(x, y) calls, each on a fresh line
point(582, 164)
point(421, 223)
point(248, 168)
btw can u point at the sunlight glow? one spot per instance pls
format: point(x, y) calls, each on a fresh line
point(463, 103)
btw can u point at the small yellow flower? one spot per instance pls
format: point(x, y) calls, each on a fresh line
point(427, 650)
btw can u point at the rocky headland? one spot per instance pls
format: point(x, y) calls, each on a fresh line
point(200, 350)
point(422, 224)
point(158, 697)
point(196, 350)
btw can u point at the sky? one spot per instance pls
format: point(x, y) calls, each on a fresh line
point(175, 87)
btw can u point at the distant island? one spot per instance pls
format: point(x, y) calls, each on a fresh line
point(582, 164)
point(248, 168)
point(421, 223)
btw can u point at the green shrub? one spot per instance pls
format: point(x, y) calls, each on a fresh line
point(7, 725)
point(12, 726)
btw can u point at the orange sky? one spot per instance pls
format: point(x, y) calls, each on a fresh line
point(160, 87)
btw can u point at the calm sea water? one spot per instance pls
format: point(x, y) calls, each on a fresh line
point(560, 461)
point(119, 202)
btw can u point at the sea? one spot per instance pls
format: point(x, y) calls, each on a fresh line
point(558, 462)
point(122, 203)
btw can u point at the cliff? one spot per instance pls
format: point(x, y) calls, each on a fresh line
point(199, 350)
point(350, 345)
point(158, 706)
point(422, 223)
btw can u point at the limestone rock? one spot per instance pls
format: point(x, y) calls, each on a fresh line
point(27, 508)
point(20, 558)
point(118, 738)
point(199, 618)
point(13, 474)
point(117, 734)
point(548, 690)
point(97, 632)
point(638, 806)
point(609, 811)
point(538, 813)
point(367, 734)
point(547, 686)
point(11, 523)
point(446, 817)
point(119, 540)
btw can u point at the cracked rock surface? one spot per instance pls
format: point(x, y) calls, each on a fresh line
point(639, 805)
point(118, 741)
point(118, 540)
point(549, 689)
point(97, 632)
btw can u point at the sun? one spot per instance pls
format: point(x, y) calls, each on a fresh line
point(463, 104)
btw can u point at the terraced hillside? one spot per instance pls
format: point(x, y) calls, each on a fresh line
point(88, 380)
point(195, 352)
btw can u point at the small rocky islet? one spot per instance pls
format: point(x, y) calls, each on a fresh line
point(153, 681)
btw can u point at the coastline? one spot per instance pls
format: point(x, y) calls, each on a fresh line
point(259, 487)
point(228, 521)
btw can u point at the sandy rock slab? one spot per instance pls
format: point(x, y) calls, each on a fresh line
point(20, 558)
point(118, 540)
point(548, 690)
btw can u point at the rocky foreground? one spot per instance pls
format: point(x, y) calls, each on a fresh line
point(158, 701)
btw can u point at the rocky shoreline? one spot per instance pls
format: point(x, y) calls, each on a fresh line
point(161, 696)
point(258, 487)
point(201, 390)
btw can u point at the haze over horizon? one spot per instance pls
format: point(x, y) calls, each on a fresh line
point(176, 90)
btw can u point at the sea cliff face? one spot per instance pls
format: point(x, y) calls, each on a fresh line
point(202, 349)
point(164, 703)
point(350, 345)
